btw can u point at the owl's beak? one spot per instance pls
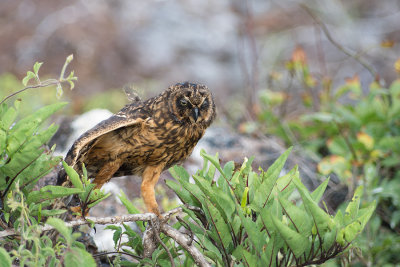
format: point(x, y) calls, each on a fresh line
point(195, 114)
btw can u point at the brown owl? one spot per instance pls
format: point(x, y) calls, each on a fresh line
point(145, 138)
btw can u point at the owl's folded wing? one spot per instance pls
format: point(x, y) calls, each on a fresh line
point(128, 116)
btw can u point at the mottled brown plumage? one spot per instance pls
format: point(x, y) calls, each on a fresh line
point(145, 138)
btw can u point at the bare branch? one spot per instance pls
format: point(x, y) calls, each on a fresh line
point(156, 234)
point(149, 242)
point(108, 220)
point(183, 240)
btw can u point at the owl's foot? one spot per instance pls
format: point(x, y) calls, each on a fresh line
point(156, 211)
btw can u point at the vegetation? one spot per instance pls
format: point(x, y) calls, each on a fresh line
point(353, 132)
point(233, 216)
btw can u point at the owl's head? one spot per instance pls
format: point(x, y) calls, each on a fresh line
point(192, 103)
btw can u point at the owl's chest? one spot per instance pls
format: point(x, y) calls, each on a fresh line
point(175, 142)
point(167, 144)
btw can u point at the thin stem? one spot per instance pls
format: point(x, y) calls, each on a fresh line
point(43, 84)
point(171, 259)
point(336, 44)
point(118, 252)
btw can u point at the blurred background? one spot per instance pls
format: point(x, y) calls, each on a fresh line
point(270, 64)
point(232, 46)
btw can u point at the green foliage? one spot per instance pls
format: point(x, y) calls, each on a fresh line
point(355, 135)
point(5, 258)
point(74, 251)
point(252, 219)
point(88, 195)
point(36, 249)
point(24, 159)
point(248, 219)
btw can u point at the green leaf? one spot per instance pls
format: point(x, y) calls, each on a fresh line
point(36, 67)
point(366, 213)
point(5, 259)
point(221, 200)
point(96, 197)
point(39, 168)
point(284, 185)
point(295, 241)
point(243, 202)
point(321, 219)
point(73, 176)
point(297, 217)
point(29, 75)
point(273, 246)
point(51, 192)
point(270, 177)
point(182, 193)
point(249, 258)
point(117, 233)
point(352, 208)
point(46, 213)
point(79, 257)
point(220, 227)
point(329, 239)
point(255, 235)
point(37, 118)
point(25, 154)
point(213, 159)
point(350, 232)
point(338, 146)
point(3, 138)
point(339, 219)
point(128, 204)
point(8, 118)
point(131, 208)
point(178, 172)
point(193, 189)
point(27, 127)
point(60, 226)
point(319, 191)
point(210, 174)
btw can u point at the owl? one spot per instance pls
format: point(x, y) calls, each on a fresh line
point(145, 138)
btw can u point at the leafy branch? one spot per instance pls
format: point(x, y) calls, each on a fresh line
point(164, 228)
point(70, 79)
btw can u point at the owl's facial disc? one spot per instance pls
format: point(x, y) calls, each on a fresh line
point(193, 107)
point(194, 103)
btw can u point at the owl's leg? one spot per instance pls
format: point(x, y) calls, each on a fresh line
point(150, 178)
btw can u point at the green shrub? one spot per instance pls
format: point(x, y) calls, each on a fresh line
point(251, 219)
point(24, 159)
point(243, 218)
point(354, 132)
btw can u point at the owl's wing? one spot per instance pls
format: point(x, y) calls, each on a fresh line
point(130, 115)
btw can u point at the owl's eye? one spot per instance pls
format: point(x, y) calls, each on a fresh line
point(183, 102)
point(205, 104)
